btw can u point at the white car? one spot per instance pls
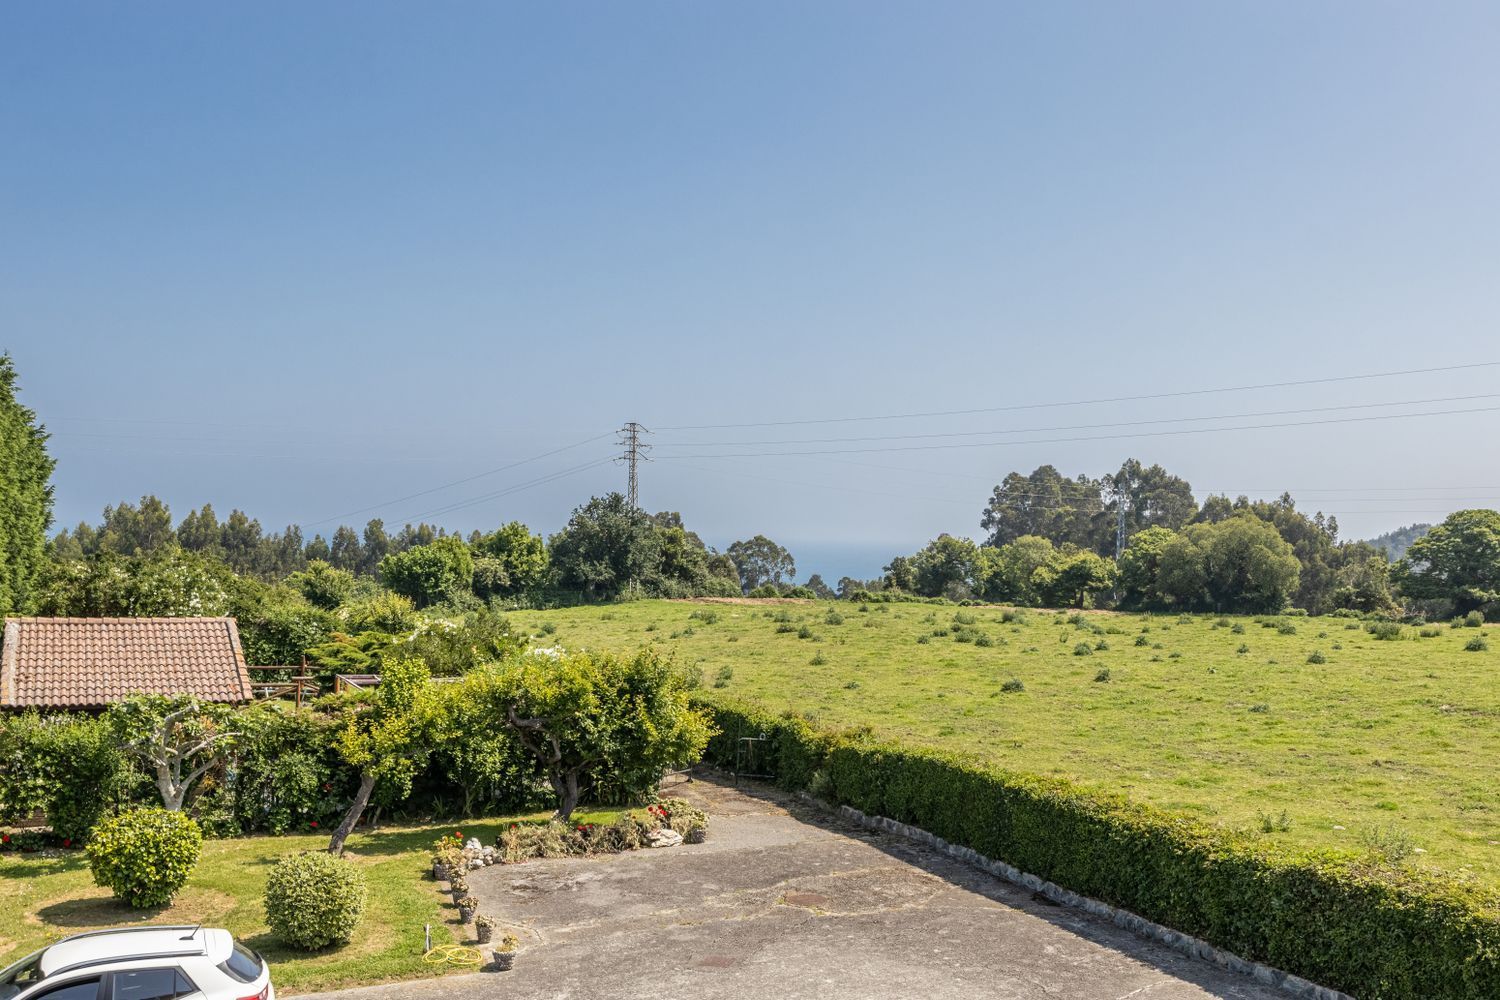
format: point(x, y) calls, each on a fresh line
point(141, 963)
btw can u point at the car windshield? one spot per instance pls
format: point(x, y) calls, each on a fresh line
point(17, 977)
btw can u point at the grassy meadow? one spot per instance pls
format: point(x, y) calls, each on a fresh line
point(1309, 731)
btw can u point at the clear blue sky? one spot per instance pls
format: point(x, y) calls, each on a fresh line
point(305, 259)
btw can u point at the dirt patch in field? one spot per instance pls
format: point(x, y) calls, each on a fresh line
point(741, 600)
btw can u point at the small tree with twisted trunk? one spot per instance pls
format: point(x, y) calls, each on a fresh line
point(599, 720)
point(180, 739)
point(387, 739)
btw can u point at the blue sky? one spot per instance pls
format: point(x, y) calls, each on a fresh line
point(310, 259)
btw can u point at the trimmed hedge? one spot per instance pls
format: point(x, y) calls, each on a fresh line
point(1351, 922)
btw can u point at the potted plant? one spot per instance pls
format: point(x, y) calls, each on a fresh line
point(504, 954)
point(466, 909)
point(459, 888)
point(484, 928)
point(697, 833)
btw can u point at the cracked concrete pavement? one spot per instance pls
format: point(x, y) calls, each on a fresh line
point(785, 900)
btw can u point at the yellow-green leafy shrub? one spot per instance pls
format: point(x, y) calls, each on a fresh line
point(144, 856)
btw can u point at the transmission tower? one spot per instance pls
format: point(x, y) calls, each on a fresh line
point(1120, 497)
point(634, 453)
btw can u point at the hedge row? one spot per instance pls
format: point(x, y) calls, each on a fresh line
point(1351, 922)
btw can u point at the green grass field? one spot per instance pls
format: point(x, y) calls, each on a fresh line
point(53, 895)
point(1394, 743)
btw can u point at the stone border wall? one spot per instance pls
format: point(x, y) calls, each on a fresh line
point(1182, 943)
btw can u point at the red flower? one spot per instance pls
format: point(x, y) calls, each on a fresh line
point(314, 824)
point(67, 841)
point(4, 838)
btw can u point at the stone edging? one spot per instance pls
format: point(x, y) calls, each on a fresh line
point(1182, 943)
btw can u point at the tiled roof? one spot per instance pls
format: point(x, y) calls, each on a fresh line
point(91, 662)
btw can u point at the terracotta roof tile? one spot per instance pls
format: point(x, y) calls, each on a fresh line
point(91, 662)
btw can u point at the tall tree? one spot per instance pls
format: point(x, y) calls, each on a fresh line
point(760, 560)
point(129, 530)
point(1154, 498)
point(606, 546)
point(25, 496)
point(345, 551)
point(200, 531)
point(376, 546)
point(1045, 504)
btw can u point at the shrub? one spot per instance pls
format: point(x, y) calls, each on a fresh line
point(1316, 656)
point(1101, 645)
point(818, 659)
point(314, 900)
point(1478, 644)
point(984, 640)
point(1385, 630)
point(1102, 677)
point(1355, 923)
point(1012, 686)
point(724, 676)
point(1286, 628)
point(1237, 628)
point(1474, 619)
point(1083, 649)
point(144, 856)
point(1141, 640)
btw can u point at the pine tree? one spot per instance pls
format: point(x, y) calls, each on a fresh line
point(25, 496)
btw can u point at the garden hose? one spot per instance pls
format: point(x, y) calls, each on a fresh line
point(453, 954)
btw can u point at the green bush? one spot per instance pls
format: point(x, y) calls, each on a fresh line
point(1474, 619)
point(1083, 649)
point(1384, 630)
point(1354, 922)
point(314, 900)
point(144, 856)
point(1478, 644)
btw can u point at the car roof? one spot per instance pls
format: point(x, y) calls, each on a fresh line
point(127, 944)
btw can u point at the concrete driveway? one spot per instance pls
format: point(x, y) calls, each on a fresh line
point(785, 901)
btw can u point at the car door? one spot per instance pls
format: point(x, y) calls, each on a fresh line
point(169, 983)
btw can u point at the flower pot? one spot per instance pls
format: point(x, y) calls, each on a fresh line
point(484, 932)
point(458, 894)
point(696, 835)
point(439, 871)
point(502, 961)
point(465, 914)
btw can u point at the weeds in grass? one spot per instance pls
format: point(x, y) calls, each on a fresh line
point(1389, 840)
point(1316, 656)
point(1478, 644)
point(805, 632)
point(1286, 628)
point(1083, 649)
point(851, 685)
point(1012, 686)
point(1237, 629)
point(1260, 708)
point(1141, 640)
point(724, 676)
point(833, 618)
point(818, 659)
point(984, 640)
point(1243, 649)
point(1385, 631)
point(1102, 677)
point(1270, 824)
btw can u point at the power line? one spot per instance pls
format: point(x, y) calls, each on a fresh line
point(460, 482)
point(509, 490)
point(1089, 402)
point(1102, 437)
point(1076, 427)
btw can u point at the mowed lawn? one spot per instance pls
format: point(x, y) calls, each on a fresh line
point(1388, 740)
point(45, 897)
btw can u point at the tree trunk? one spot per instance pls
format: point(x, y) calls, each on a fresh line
point(171, 793)
point(356, 809)
point(565, 784)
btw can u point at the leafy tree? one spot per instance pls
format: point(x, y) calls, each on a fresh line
point(345, 551)
point(387, 740)
point(170, 583)
point(429, 573)
point(318, 550)
point(946, 567)
point(137, 531)
point(178, 738)
point(606, 546)
point(1241, 564)
point(323, 585)
point(278, 632)
point(1073, 578)
point(820, 590)
point(760, 560)
point(1044, 504)
point(1458, 561)
point(1012, 573)
point(1364, 580)
point(375, 546)
point(1140, 569)
point(514, 560)
point(619, 722)
point(1153, 498)
point(200, 532)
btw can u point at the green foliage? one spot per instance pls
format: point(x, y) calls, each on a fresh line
point(1474, 619)
point(392, 614)
point(1458, 562)
point(168, 583)
point(1386, 631)
point(281, 632)
point(144, 856)
point(606, 547)
point(323, 585)
point(288, 774)
point(1477, 644)
point(429, 574)
point(508, 560)
point(1240, 563)
point(66, 766)
point(1013, 686)
point(1083, 649)
point(314, 900)
point(760, 561)
point(25, 497)
point(1355, 923)
point(1316, 656)
point(615, 722)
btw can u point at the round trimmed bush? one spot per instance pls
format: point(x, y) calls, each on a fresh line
point(314, 900)
point(144, 856)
